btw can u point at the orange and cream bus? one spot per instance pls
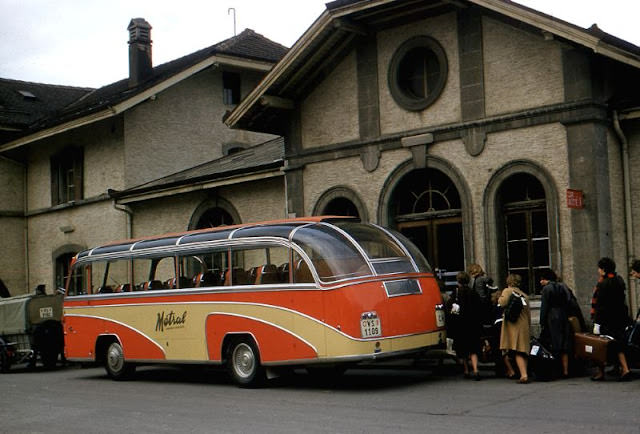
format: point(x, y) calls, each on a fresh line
point(253, 297)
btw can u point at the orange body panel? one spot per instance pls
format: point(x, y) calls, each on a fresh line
point(81, 334)
point(274, 344)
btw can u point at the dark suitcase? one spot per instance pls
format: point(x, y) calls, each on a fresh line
point(591, 347)
point(543, 365)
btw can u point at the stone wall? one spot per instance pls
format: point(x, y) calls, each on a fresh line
point(179, 128)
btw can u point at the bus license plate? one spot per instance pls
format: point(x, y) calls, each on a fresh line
point(370, 327)
point(439, 318)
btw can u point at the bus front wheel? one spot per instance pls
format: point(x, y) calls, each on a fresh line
point(115, 365)
point(244, 363)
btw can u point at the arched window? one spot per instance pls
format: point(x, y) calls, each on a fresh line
point(426, 207)
point(62, 269)
point(214, 217)
point(341, 206)
point(526, 231)
point(341, 201)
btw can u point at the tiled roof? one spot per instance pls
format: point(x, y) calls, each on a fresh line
point(267, 155)
point(22, 103)
point(248, 45)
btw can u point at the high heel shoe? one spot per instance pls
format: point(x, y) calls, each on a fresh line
point(625, 377)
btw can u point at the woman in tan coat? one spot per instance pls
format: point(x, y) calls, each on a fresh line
point(514, 336)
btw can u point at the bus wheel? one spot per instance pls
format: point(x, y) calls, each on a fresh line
point(244, 363)
point(115, 365)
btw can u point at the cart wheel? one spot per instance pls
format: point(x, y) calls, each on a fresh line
point(244, 363)
point(115, 364)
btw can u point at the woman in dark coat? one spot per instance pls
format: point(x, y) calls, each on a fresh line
point(483, 285)
point(554, 318)
point(610, 314)
point(464, 309)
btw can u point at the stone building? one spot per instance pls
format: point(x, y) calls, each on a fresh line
point(66, 153)
point(484, 130)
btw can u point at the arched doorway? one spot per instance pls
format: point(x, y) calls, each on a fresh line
point(523, 204)
point(425, 205)
point(522, 224)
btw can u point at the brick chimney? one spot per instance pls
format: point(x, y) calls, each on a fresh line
point(140, 65)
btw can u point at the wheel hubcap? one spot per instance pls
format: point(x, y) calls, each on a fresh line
point(243, 360)
point(115, 359)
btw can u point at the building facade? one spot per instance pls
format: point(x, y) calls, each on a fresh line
point(63, 168)
point(483, 130)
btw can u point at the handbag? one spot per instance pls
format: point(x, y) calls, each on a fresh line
point(514, 307)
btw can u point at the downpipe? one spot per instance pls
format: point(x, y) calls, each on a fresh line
point(129, 213)
point(627, 204)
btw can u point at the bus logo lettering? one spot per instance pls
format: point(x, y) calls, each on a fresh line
point(170, 320)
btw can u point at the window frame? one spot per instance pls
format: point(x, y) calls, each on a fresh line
point(397, 89)
point(69, 161)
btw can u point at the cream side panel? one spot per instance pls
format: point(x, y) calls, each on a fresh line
point(187, 341)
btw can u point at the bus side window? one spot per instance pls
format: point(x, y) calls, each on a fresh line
point(301, 270)
point(79, 279)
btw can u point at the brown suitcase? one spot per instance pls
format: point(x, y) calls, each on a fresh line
point(591, 347)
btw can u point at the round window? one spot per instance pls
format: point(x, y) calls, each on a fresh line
point(417, 73)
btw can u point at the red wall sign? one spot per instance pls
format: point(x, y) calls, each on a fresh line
point(575, 199)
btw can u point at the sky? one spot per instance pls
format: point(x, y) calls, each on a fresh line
point(84, 42)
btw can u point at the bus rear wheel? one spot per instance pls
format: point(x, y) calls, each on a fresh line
point(115, 365)
point(244, 363)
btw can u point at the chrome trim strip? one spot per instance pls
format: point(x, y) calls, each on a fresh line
point(355, 358)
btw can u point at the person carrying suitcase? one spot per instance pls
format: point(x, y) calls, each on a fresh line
point(610, 314)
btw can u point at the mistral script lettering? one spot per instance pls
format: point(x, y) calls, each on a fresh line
point(170, 320)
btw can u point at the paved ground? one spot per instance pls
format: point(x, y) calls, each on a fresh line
point(391, 399)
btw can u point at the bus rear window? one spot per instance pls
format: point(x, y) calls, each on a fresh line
point(333, 256)
point(387, 251)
